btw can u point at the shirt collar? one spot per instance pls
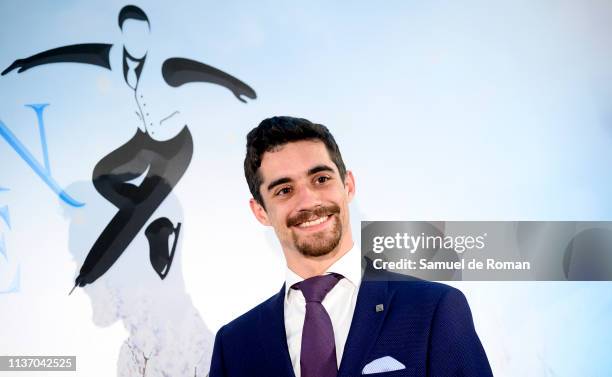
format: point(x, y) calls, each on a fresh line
point(349, 266)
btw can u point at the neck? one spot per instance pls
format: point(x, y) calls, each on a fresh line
point(307, 267)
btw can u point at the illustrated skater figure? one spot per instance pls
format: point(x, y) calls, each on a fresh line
point(160, 150)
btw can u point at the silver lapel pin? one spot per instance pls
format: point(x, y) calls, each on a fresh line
point(380, 308)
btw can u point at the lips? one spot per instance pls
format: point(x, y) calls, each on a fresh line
point(314, 222)
point(310, 218)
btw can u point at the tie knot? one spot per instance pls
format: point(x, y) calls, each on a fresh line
point(316, 288)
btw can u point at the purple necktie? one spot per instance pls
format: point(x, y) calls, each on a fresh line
point(318, 355)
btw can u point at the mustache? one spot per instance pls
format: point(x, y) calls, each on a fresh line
point(317, 212)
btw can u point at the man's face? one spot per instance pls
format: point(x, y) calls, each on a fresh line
point(305, 199)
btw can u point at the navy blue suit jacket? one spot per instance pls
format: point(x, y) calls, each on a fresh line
point(426, 326)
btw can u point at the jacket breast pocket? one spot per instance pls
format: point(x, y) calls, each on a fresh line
point(408, 372)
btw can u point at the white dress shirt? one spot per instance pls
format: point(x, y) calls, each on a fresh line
point(339, 304)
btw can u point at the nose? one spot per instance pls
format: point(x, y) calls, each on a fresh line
point(307, 198)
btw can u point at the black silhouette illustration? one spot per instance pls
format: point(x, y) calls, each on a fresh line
point(165, 333)
point(162, 162)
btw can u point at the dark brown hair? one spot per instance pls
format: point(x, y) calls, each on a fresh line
point(277, 131)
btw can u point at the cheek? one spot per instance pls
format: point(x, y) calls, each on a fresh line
point(344, 207)
point(277, 214)
point(280, 220)
point(341, 198)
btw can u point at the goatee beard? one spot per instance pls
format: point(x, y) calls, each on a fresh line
point(321, 243)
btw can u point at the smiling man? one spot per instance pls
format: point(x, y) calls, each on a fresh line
point(331, 319)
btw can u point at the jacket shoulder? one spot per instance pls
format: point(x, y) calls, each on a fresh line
point(409, 285)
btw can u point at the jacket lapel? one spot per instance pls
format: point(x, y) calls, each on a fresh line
point(365, 326)
point(273, 336)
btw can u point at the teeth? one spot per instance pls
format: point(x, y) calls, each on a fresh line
point(313, 222)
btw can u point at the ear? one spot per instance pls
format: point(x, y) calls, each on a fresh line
point(349, 184)
point(259, 211)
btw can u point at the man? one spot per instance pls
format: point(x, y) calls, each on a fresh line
point(328, 320)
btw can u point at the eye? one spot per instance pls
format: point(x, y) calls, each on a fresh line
point(283, 191)
point(322, 179)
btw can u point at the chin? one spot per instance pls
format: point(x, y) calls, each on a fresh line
point(321, 243)
point(318, 248)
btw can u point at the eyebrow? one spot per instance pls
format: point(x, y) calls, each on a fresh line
point(320, 168)
point(311, 171)
point(277, 182)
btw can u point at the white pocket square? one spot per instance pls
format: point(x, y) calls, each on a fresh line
point(383, 364)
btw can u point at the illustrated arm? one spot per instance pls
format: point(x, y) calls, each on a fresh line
point(454, 348)
point(89, 53)
point(179, 71)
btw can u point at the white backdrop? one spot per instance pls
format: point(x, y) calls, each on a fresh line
point(443, 110)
